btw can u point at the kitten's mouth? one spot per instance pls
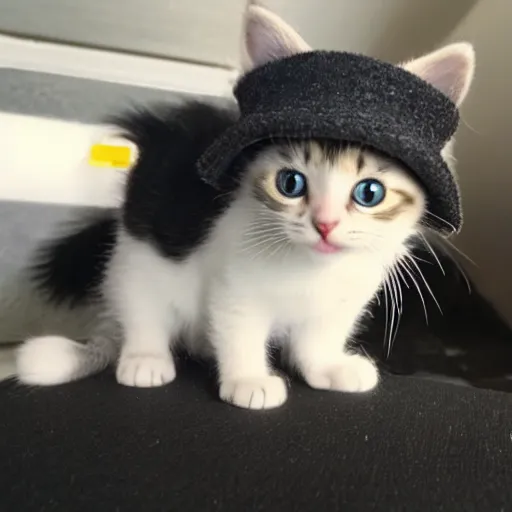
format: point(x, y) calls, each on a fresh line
point(325, 247)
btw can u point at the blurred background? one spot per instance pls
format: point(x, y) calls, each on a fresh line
point(208, 31)
point(206, 35)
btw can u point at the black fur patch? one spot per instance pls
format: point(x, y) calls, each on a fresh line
point(70, 268)
point(166, 202)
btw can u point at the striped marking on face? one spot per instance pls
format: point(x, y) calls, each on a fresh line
point(312, 157)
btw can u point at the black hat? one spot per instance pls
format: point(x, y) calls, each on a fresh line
point(350, 97)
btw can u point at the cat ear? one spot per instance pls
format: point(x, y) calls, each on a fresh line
point(449, 69)
point(267, 37)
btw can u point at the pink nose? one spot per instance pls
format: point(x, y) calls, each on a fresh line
point(324, 228)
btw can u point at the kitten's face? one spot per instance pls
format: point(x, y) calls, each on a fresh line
point(328, 198)
point(325, 201)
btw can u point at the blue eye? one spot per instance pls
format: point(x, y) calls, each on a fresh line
point(368, 193)
point(291, 183)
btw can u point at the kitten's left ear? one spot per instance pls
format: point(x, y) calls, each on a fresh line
point(267, 37)
point(449, 69)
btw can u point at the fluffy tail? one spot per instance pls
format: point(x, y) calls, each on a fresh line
point(51, 360)
point(70, 269)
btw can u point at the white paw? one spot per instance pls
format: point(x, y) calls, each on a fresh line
point(263, 393)
point(145, 370)
point(47, 361)
point(354, 373)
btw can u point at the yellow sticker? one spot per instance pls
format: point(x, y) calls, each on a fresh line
point(105, 155)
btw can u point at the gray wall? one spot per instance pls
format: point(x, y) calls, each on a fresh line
point(209, 30)
point(483, 151)
point(196, 30)
point(23, 313)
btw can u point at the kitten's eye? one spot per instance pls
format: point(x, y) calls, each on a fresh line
point(291, 183)
point(368, 193)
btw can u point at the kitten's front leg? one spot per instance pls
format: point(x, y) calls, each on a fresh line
point(318, 349)
point(239, 335)
point(145, 360)
point(139, 292)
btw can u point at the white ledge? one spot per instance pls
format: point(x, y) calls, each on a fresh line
point(156, 73)
point(47, 161)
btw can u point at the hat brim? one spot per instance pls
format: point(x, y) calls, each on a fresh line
point(380, 132)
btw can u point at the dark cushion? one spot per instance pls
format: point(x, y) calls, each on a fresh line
point(95, 445)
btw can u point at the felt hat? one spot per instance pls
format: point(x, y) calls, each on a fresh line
point(349, 97)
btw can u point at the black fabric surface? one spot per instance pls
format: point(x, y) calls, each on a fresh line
point(412, 445)
point(350, 97)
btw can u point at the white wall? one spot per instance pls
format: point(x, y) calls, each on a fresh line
point(484, 151)
point(208, 30)
point(195, 30)
point(393, 30)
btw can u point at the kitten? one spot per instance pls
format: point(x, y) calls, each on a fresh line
point(294, 250)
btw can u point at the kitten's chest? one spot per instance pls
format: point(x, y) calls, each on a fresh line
point(300, 291)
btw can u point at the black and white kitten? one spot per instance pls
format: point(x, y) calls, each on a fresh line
point(295, 250)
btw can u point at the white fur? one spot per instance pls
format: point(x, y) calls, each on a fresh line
point(143, 370)
point(47, 360)
point(355, 374)
point(258, 276)
point(264, 392)
point(141, 291)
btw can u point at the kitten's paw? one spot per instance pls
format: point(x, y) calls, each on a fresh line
point(354, 373)
point(145, 370)
point(263, 393)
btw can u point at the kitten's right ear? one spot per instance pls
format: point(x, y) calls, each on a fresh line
point(267, 37)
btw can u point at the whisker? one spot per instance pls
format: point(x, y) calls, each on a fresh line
point(417, 258)
point(392, 321)
point(397, 304)
point(405, 267)
point(386, 307)
point(424, 281)
point(393, 300)
point(259, 231)
point(247, 237)
point(398, 288)
point(269, 246)
point(470, 127)
point(279, 247)
point(454, 259)
point(398, 269)
point(430, 248)
point(445, 222)
point(253, 243)
point(459, 251)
